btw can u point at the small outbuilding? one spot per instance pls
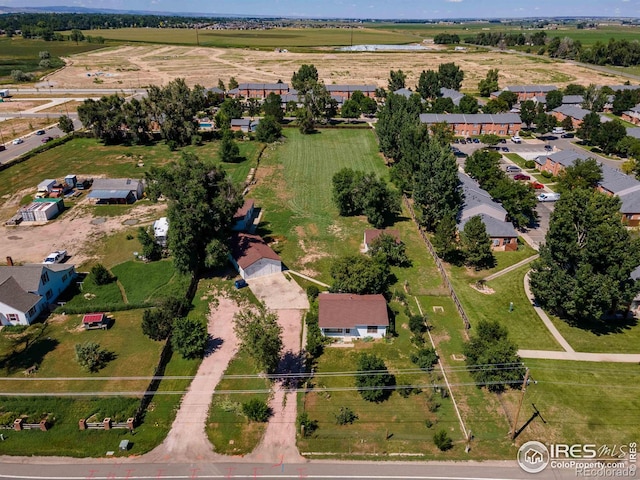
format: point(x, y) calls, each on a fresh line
point(252, 257)
point(92, 321)
point(161, 231)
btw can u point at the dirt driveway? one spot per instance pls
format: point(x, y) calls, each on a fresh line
point(277, 292)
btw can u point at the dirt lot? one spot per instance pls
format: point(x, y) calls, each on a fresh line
point(135, 66)
point(76, 231)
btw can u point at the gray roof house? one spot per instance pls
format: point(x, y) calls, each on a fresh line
point(478, 202)
point(245, 125)
point(454, 95)
point(634, 132)
point(572, 100)
point(27, 290)
point(470, 118)
point(572, 111)
point(405, 92)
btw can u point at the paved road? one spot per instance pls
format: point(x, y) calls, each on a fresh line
point(118, 468)
point(581, 356)
point(32, 141)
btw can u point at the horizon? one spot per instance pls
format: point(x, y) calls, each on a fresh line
point(360, 9)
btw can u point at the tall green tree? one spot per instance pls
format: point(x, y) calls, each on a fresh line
point(450, 75)
point(65, 124)
point(445, 240)
point(150, 249)
point(489, 84)
point(374, 381)
point(584, 174)
point(397, 80)
point(389, 250)
point(189, 337)
point(429, 84)
point(397, 115)
point(609, 135)
point(589, 128)
point(201, 203)
point(229, 150)
point(268, 130)
point(304, 79)
point(594, 98)
point(492, 358)
point(586, 260)
point(508, 97)
point(360, 274)
point(476, 244)
point(436, 185)
point(468, 104)
point(527, 112)
point(350, 109)
point(76, 36)
point(272, 107)
point(554, 99)
point(260, 336)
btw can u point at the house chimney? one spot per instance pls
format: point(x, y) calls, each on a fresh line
point(9, 262)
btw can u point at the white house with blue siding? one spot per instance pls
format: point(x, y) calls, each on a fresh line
point(28, 290)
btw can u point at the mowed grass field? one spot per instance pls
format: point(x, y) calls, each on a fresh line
point(280, 37)
point(19, 54)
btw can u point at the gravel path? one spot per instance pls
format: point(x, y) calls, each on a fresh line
point(187, 439)
point(279, 441)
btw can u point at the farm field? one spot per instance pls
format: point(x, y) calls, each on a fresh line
point(19, 54)
point(263, 39)
point(138, 65)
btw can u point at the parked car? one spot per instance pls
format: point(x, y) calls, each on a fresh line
point(55, 257)
point(240, 283)
point(46, 139)
point(548, 197)
point(476, 140)
point(463, 141)
point(537, 185)
point(567, 135)
point(521, 176)
point(513, 169)
point(40, 132)
point(505, 149)
point(516, 139)
point(548, 147)
point(18, 141)
point(2, 148)
point(503, 140)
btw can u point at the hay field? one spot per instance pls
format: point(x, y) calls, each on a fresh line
point(141, 65)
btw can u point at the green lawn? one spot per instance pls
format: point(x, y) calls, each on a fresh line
point(613, 336)
point(88, 157)
point(524, 325)
point(294, 193)
point(582, 402)
point(227, 428)
point(396, 425)
point(145, 282)
point(480, 410)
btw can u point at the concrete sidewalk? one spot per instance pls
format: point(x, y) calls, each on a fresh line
point(581, 356)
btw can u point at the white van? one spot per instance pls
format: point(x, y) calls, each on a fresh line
point(558, 130)
point(548, 197)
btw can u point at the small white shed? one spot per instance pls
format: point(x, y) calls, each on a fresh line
point(253, 258)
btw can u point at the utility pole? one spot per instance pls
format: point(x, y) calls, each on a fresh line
point(524, 389)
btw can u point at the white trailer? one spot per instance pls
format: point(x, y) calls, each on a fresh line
point(4, 93)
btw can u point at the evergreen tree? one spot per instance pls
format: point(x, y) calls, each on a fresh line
point(436, 185)
point(489, 84)
point(429, 85)
point(397, 80)
point(527, 112)
point(304, 78)
point(450, 75)
point(476, 244)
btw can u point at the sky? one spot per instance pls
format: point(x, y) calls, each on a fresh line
point(397, 9)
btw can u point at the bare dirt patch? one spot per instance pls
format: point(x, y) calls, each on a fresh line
point(74, 231)
point(137, 66)
point(20, 105)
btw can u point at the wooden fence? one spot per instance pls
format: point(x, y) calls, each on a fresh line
point(441, 269)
